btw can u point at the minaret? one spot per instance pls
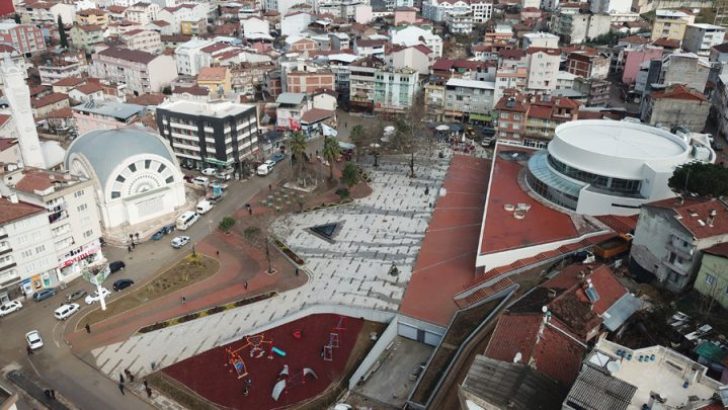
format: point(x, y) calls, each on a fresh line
point(18, 95)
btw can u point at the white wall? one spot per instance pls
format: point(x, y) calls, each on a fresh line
point(384, 341)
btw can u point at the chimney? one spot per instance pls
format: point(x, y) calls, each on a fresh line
point(552, 293)
point(711, 217)
point(13, 198)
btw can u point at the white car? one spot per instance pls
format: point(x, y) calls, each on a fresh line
point(209, 171)
point(66, 311)
point(180, 241)
point(94, 297)
point(10, 307)
point(34, 340)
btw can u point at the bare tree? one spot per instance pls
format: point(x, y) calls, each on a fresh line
point(258, 234)
point(411, 131)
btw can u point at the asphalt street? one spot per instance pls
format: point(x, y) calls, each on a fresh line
point(54, 366)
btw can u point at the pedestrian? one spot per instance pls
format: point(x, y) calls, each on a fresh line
point(322, 350)
point(296, 271)
point(133, 245)
point(121, 388)
point(88, 328)
point(53, 394)
point(184, 299)
point(427, 190)
point(153, 366)
point(131, 377)
point(128, 248)
point(29, 350)
point(270, 187)
point(146, 384)
point(250, 211)
point(121, 378)
point(217, 253)
point(245, 285)
point(149, 391)
point(47, 393)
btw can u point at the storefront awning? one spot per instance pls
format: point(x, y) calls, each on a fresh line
point(480, 117)
point(215, 161)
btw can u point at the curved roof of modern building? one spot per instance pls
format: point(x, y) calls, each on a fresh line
point(617, 148)
point(106, 149)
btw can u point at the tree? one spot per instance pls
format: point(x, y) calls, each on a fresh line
point(331, 153)
point(258, 237)
point(226, 224)
point(350, 174)
point(62, 32)
point(701, 178)
point(409, 128)
point(298, 145)
point(358, 138)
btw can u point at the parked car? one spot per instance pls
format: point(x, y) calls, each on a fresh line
point(44, 294)
point(158, 235)
point(95, 297)
point(201, 181)
point(66, 311)
point(265, 168)
point(34, 340)
point(122, 284)
point(163, 231)
point(10, 307)
point(209, 171)
point(116, 266)
point(76, 295)
point(180, 241)
point(277, 157)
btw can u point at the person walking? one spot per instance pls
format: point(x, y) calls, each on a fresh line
point(184, 299)
point(88, 328)
point(53, 394)
point(146, 384)
point(149, 392)
point(245, 285)
point(29, 350)
point(121, 388)
point(250, 211)
point(121, 378)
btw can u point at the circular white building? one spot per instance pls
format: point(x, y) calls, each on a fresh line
point(602, 167)
point(135, 174)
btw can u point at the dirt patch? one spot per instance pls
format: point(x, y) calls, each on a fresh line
point(189, 270)
point(178, 392)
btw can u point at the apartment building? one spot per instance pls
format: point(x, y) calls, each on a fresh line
point(413, 35)
point(588, 63)
point(86, 37)
point(361, 83)
point(107, 115)
point(72, 216)
point(394, 90)
point(531, 120)
point(25, 38)
point(576, 25)
point(671, 24)
point(469, 100)
point(543, 69)
point(141, 72)
point(309, 81)
point(438, 10)
point(142, 13)
point(216, 79)
point(203, 134)
point(183, 13)
point(149, 41)
point(676, 105)
point(417, 57)
point(701, 38)
point(92, 16)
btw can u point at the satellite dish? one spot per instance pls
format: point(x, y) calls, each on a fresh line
point(613, 367)
point(544, 308)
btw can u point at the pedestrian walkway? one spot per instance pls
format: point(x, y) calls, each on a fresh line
point(376, 232)
point(35, 391)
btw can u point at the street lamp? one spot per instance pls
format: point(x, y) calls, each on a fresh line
point(375, 151)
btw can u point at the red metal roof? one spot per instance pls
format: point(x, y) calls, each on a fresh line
point(11, 212)
point(694, 214)
point(446, 262)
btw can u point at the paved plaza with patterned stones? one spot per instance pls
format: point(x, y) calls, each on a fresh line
point(350, 272)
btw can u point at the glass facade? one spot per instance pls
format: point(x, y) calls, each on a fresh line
point(549, 185)
point(620, 187)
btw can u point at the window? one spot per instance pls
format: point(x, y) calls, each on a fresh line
point(132, 167)
point(115, 194)
point(79, 193)
point(88, 233)
point(82, 207)
point(39, 249)
point(710, 279)
point(147, 163)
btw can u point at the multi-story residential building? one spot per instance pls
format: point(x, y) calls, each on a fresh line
point(588, 64)
point(149, 41)
point(670, 236)
point(611, 6)
point(575, 25)
point(193, 27)
point(140, 71)
point(720, 104)
point(107, 115)
point(459, 23)
point(183, 12)
point(394, 90)
point(532, 120)
point(290, 110)
point(41, 12)
point(685, 68)
point(712, 279)
point(361, 83)
point(515, 78)
point(366, 48)
point(142, 13)
point(540, 39)
point(437, 10)
point(62, 67)
point(189, 56)
point(671, 24)
point(28, 261)
point(25, 38)
point(201, 134)
point(543, 69)
point(594, 92)
point(309, 81)
point(42, 106)
point(417, 57)
point(86, 37)
point(254, 26)
point(216, 79)
point(469, 100)
point(701, 38)
point(295, 23)
point(676, 105)
point(635, 57)
point(92, 16)
point(71, 213)
point(413, 35)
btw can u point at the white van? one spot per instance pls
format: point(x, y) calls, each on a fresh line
point(203, 206)
point(186, 220)
point(201, 181)
point(264, 169)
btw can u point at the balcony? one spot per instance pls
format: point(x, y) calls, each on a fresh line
point(683, 268)
point(8, 264)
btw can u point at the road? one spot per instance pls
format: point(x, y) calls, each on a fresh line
point(54, 366)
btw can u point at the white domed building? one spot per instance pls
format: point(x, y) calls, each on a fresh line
point(602, 167)
point(136, 177)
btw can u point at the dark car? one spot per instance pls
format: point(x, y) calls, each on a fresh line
point(122, 284)
point(75, 295)
point(277, 157)
point(158, 235)
point(116, 266)
point(44, 294)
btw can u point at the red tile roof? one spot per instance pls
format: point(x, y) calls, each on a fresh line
point(136, 56)
point(679, 92)
point(693, 215)
point(89, 88)
point(620, 224)
point(545, 347)
point(514, 53)
point(549, 51)
point(3, 119)
point(91, 12)
point(6, 143)
point(116, 9)
point(214, 47)
point(667, 43)
point(65, 112)
point(720, 249)
point(193, 90)
point(212, 74)
point(148, 99)
point(315, 115)
point(11, 212)
point(49, 99)
point(91, 27)
point(69, 82)
point(160, 23)
point(34, 180)
point(446, 260)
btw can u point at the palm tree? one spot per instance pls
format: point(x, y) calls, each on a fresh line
point(298, 145)
point(331, 152)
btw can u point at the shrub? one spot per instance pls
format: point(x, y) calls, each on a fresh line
point(226, 224)
point(343, 193)
point(350, 174)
